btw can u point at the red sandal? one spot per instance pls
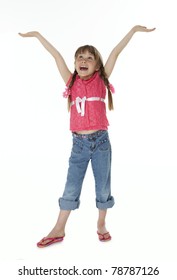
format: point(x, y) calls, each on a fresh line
point(103, 237)
point(50, 241)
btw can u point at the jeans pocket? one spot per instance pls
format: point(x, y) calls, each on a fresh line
point(104, 144)
point(77, 146)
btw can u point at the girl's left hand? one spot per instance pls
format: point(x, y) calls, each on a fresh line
point(140, 28)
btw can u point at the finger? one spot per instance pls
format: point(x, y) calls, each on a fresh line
point(21, 34)
point(151, 29)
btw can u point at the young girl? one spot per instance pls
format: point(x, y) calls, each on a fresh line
point(86, 91)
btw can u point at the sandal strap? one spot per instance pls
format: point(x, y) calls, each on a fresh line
point(50, 240)
point(102, 236)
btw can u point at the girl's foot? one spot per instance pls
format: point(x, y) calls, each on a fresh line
point(58, 232)
point(104, 237)
point(103, 234)
point(53, 237)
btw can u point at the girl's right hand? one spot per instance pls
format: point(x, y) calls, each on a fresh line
point(29, 34)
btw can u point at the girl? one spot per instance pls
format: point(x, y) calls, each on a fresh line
point(86, 91)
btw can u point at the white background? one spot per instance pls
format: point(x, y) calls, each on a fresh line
point(35, 140)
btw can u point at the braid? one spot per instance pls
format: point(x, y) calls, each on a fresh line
point(73, 79)
point(70, 86)
point(106, 82)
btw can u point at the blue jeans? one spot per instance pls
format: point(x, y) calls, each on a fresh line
point(94, 147)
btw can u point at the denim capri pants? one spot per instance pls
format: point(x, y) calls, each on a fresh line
point(94, 147)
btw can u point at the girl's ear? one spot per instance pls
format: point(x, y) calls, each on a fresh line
point(97, 68)
point(99, 65)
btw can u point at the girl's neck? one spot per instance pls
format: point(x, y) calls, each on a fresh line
point(88, 77)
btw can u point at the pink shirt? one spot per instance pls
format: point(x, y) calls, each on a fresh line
point(88, 109)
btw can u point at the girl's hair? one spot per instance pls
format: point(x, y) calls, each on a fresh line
point(102, 73)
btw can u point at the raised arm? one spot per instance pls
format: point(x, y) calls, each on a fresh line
point(62, 67)
point(109, 65)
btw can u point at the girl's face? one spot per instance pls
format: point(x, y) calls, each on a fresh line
point(86, 65)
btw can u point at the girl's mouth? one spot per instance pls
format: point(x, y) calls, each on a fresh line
point(83, 68)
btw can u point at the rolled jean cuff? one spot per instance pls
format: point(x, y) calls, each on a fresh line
point(68, 204)
point(104, 205)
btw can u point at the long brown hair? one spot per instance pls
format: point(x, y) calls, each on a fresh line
point(98, 58)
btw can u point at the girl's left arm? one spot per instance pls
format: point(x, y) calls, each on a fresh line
point(121, 45)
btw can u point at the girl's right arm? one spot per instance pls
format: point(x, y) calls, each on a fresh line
point(62, 67)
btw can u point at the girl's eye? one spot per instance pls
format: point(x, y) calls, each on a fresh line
point(90, 58)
